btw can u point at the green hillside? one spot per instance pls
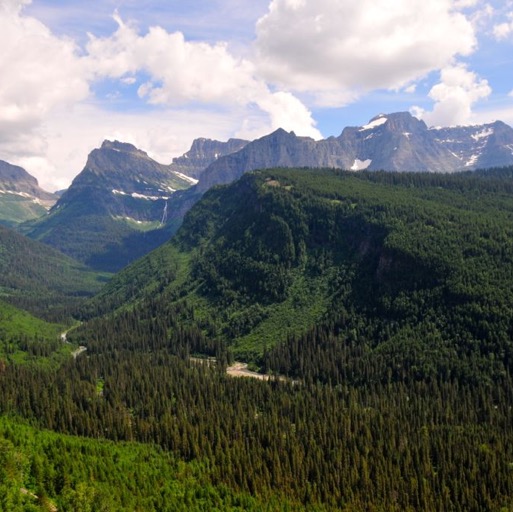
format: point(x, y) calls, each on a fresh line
point(40, 470)
point(41, 280)
point(15, 209)
point(282, 251)
point(98, 240)
point(381, 304)
point(27, 339)
point(15, 322)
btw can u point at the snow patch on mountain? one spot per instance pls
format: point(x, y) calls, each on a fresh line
point(374, 124)
point(483, 134)
point(360, 165)
point(187, 178)
point(15, 193)
point(135, 195)
point(473, 159)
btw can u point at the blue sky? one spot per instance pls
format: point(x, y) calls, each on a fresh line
point(161, 73)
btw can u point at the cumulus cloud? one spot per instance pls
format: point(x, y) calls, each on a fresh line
point(13, 6)
point(328, 45)
point(46, 79)
point(504, 30)
point(181, 72)
point(39, 72)
point(458, 90)
point(287, 112)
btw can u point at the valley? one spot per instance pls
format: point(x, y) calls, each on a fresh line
point(152, 364)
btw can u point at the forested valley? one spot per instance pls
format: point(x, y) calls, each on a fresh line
point(381, 304)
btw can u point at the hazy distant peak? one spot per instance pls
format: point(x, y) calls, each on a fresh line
point(124, 147)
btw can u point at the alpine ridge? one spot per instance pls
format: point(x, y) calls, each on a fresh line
point(392, 142)
point(124, 203)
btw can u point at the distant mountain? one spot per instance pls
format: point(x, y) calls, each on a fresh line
point(202, 153)
point(392, 142)
point(124, 204)
point(21, 198)
point(120, 192)
point(395, 142)
point(478, 147)
point(121, 180)
point(279, 149)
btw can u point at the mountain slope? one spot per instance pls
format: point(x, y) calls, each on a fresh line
point(396, 142)
point(479, 147)
point(21, 198)
point(120, 193)
point(202, 153)
point(41, 280)
point(383, 300)
point(283, 251)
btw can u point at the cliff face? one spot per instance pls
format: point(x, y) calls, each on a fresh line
point(393, 142)
point(202, 153)
point(121, 180)
point(479, 147)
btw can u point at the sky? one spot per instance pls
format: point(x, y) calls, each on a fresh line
point(160, 73)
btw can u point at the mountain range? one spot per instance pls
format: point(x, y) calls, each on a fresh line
point(124, 203)
point(394, 142)
point(379, 305)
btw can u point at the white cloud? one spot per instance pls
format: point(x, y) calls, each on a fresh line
point(13, 6)
point(287, 112)
point(329, 45)
point(504, 30)
point(182, 72)
point(39, 72)
point(458, 90)
point(38, 69)
point(462, 4)
point(46, 79)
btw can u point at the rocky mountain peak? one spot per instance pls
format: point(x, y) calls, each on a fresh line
point(124, 147)
point(14, 174)
point(396, 122)
point(202, 153)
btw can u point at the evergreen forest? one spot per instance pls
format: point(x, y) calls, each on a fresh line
point(379, 308)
